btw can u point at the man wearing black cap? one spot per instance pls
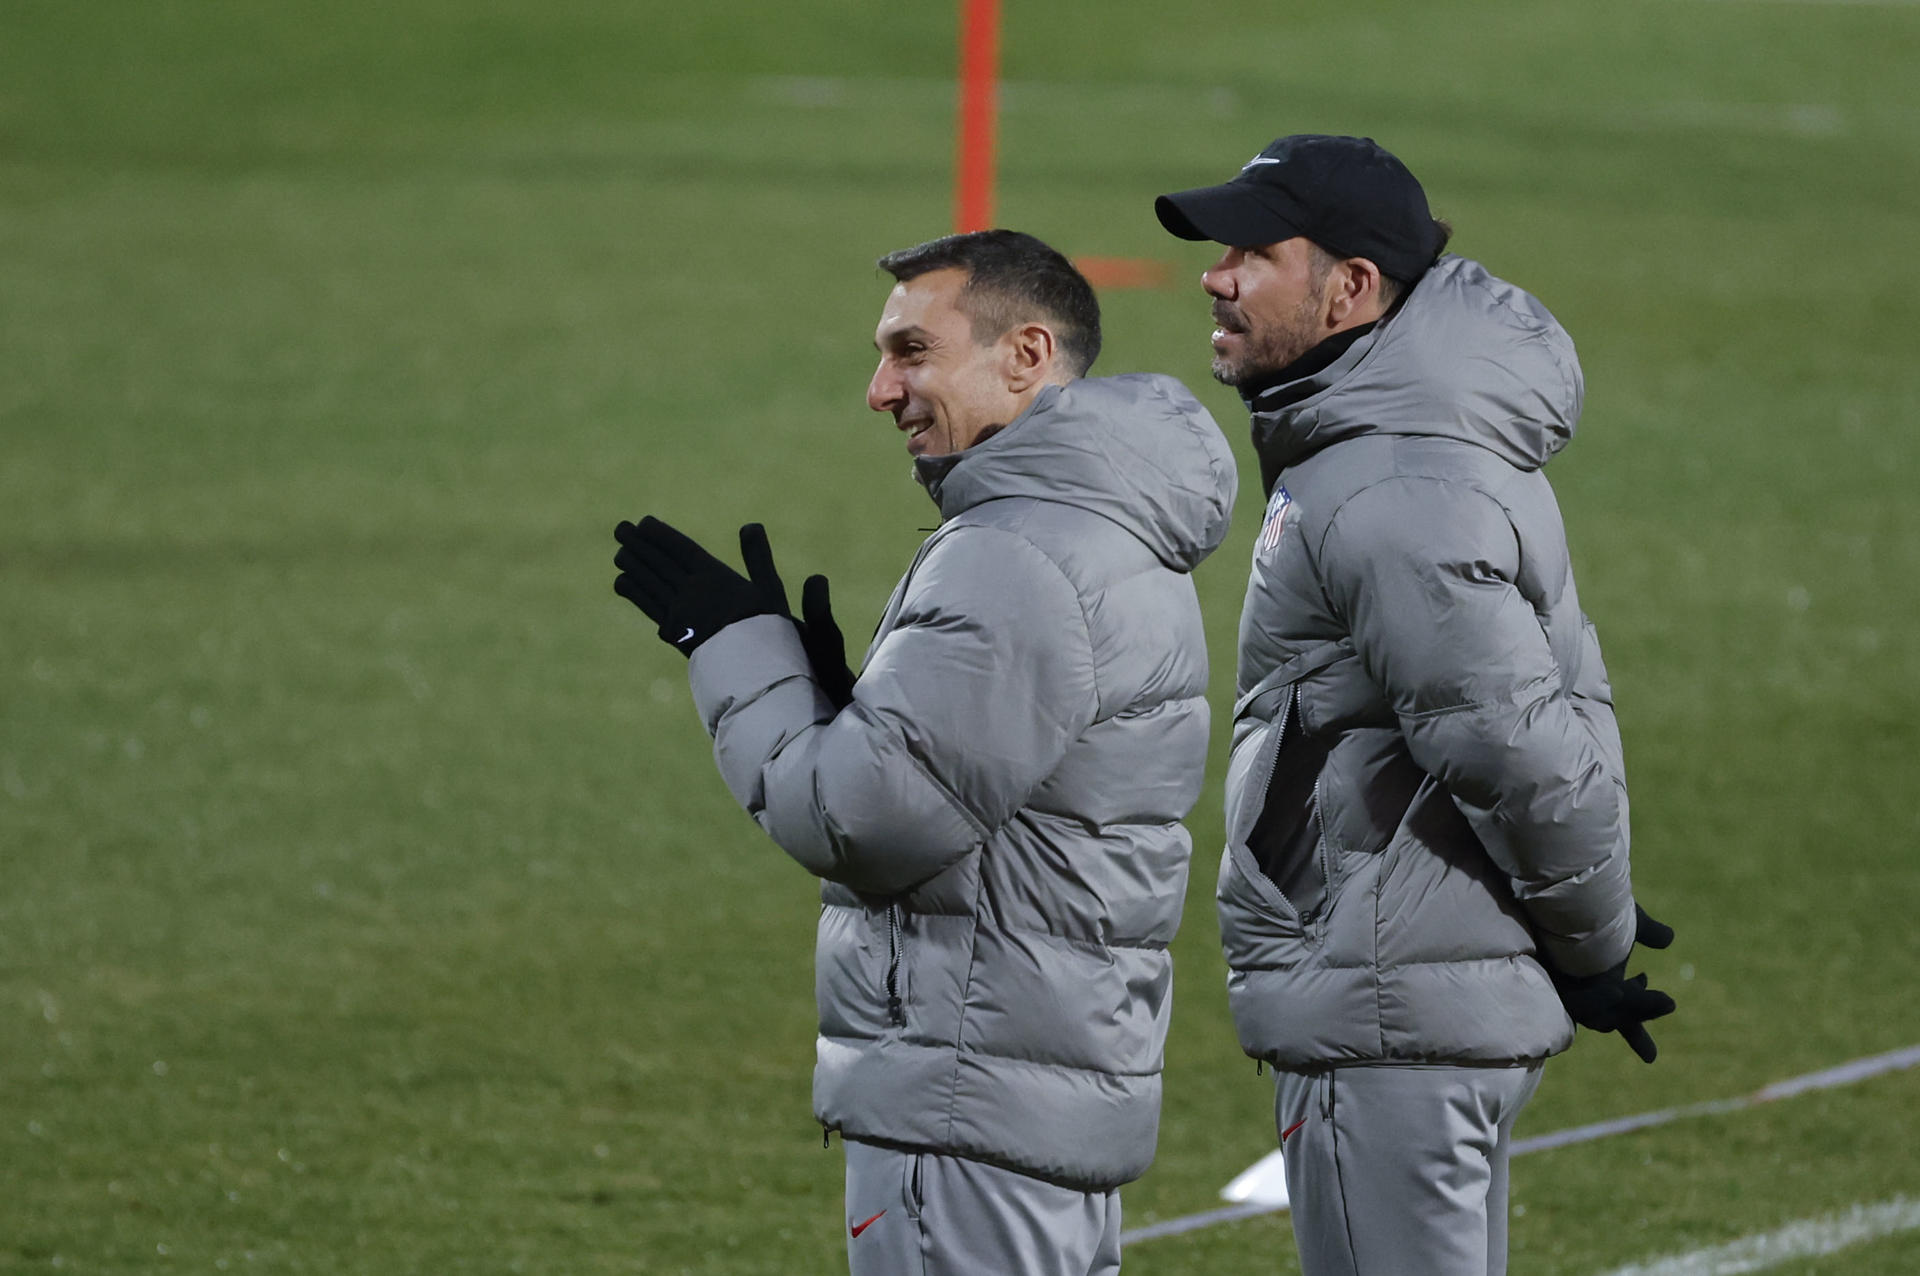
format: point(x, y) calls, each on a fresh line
point(1426, 876)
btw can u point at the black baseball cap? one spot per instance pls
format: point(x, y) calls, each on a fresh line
point(1347, 194)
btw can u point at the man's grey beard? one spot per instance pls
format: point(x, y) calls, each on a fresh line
point(1271, 350)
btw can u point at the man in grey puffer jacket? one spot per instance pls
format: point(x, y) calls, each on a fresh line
point(1426, 869)
point(995, 804)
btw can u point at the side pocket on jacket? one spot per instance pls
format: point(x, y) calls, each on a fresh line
point(1259, 741)
point(1273, 795)
point(1287, 840)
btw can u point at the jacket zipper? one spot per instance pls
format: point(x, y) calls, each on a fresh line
point(1279, 729)
point(896, 1012)
point(1320, 854)
point(1279, 742)
point(896, 1015)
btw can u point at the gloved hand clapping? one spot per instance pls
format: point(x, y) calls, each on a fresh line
point(826, 646)
point(692, 595)
point(1610, 1002)
point(686, 591)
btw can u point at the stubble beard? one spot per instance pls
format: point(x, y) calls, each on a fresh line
point(1267, 350)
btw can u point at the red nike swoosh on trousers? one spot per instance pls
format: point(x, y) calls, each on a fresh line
point(858, 1228)
point(1284, 1134)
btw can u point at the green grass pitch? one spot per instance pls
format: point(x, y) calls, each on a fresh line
point(371, 904)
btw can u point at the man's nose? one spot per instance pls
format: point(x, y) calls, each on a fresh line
point(1218, 281)
point(887, 390)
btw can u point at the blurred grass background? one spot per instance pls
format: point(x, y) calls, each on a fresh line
point(371, 903)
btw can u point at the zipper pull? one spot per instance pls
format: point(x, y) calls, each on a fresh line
point(896, 1013)
point(1259, 1067)
point(826, 1136)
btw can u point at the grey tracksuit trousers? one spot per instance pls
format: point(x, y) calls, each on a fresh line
point(921, 1214)
point(1400, 1170)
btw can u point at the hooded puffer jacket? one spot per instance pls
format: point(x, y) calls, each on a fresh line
point(997, 813)
point(1426, 786)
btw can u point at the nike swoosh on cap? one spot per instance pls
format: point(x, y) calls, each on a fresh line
point(855, 1229)
point(687, 635)
point(1258, 160)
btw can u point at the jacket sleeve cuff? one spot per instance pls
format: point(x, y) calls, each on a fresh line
point(741, 661)
point(754, 690)
point(1601, 949)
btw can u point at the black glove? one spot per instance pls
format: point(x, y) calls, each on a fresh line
point(1610, 1002)
point(688, 592)
point(826, 646)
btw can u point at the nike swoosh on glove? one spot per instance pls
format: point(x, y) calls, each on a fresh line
point(686, 591)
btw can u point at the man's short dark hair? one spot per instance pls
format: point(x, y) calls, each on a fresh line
point(1324, 259)
point(1011, 278)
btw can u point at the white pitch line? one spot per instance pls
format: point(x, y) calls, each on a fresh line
point(1807, 1238)
point(1825, 1079)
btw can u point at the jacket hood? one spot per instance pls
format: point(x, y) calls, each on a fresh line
point(1467, 356)
point(1138, 450)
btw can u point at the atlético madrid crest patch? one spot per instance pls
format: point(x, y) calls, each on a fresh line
point(1276, 520)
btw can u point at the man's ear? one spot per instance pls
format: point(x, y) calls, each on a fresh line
point(1029, 349)
point(1353, 293)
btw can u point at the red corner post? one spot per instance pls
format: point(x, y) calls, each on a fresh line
point(979, 94)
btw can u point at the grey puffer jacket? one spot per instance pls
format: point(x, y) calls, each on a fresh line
point(997, 813)
point(1426, 785)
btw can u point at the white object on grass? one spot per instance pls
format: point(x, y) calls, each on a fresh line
point(1262, 1183)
